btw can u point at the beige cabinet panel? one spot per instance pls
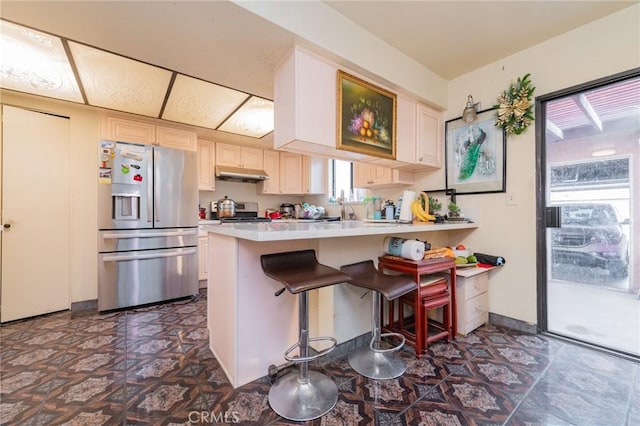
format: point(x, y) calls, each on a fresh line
point(203, 256)
point(239, 156)
point(271, 163)
point(251, 158)
point(314, 174)
point(368, 175)
point(176, 138)
point(206, 165)
point(125, 130)
point(290, 173)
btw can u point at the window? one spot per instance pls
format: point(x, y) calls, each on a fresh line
point(341, 180)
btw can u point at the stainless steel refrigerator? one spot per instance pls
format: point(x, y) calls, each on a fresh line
point(148, 224)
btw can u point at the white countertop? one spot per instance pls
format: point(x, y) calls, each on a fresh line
point(283, 231)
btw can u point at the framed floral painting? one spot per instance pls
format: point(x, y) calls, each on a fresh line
point(366, 118)
point(475, 155)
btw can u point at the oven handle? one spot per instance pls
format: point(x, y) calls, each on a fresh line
point(117, 236)
point(131, 256)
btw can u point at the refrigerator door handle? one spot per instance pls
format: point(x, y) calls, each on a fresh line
point(149, 192)
point(145, 256)
point(156, 211)
point(116, 236)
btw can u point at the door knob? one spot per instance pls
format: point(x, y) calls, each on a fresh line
point(7, 225)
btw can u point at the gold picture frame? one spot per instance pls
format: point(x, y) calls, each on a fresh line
point(366, 117)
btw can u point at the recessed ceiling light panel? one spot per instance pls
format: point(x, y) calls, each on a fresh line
point(35, 62)
point(115, 82)
point(254, 118)
point(200, 103)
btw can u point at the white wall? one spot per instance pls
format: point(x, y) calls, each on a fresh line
point(604, 47)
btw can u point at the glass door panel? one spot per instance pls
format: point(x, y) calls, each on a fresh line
point(592, 177)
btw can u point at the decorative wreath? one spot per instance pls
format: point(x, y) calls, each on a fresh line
point(515, 109)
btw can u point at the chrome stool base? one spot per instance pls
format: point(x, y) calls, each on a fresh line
point(376, 365)
point(297, 401)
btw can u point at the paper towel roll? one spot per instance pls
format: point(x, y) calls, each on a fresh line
point(405, 208)
point(408, 249)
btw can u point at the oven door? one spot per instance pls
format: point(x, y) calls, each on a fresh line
point(146, 276)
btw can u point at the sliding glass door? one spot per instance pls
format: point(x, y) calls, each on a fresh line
point(589, 221)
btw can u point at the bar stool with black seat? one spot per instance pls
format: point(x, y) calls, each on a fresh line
point(374, 361)
point(308, 394)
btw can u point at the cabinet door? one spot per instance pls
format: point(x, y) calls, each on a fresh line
point(251, 158)
point(228, 155)
point(290, 173)
point(206, 165)
point(123, 130)
point(272, 167)
point(176, 138)
point(361, 175)
point(203, 256)
point(314, 174)
point(406, 130)
point(430, 142)
point(380, 175)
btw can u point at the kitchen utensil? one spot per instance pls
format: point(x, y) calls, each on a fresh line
point(226, 207)
point(287, 210)
point(275, 215)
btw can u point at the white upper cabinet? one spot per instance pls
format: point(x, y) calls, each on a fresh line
point(422, 127)
point(239, 156)
point(430, 140)
point(305, 102)
point(305, 114)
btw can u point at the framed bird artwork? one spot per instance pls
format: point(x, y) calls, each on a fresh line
point(475, 155)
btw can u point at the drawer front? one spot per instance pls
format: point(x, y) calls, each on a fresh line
point(477, 307)
point(476, 322)
point(475, 285)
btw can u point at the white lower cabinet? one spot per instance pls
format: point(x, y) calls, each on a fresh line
point(203, 255)
point(472, 298)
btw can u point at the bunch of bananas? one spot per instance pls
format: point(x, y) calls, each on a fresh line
point(418, 210)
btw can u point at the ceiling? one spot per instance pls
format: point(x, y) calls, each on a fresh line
point(221, 42)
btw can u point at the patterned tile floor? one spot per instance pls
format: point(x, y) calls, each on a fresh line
point(153, 366)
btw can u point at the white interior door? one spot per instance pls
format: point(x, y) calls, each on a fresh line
point(35, 213)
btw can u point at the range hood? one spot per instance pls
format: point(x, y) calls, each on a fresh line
point(239, 174)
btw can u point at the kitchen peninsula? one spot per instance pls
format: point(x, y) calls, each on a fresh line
point(250, 328)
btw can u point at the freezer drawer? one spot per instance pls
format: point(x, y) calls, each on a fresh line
point(143, 239)
point(146, 276)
